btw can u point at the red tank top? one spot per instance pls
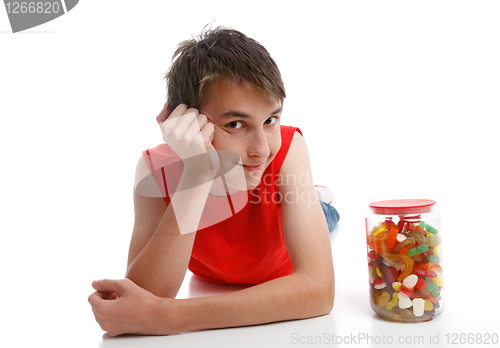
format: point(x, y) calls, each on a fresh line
point(248, 247)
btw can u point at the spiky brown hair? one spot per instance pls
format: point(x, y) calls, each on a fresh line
point(220, 54)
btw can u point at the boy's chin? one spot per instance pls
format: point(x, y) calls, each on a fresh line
point(243, 185)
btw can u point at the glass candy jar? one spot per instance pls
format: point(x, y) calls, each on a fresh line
point(404, 259)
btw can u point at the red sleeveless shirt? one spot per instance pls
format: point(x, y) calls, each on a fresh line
point(247, 247)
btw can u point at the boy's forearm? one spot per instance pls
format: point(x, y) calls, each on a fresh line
point(161, 266)
point(286, 298)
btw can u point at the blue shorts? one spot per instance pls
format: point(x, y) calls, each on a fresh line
point(331, 214)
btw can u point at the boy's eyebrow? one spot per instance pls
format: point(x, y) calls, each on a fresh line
point(236, 113)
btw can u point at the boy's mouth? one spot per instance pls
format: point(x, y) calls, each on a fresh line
point(252, 168)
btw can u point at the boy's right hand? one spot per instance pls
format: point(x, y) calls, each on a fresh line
point(190, 135)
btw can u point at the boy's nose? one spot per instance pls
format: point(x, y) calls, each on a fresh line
point(258, 145)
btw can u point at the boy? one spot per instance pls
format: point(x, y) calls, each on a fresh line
point(225, 152)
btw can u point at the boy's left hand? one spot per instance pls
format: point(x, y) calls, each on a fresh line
point(121, 306)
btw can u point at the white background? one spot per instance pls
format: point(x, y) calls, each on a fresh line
point(396, 99)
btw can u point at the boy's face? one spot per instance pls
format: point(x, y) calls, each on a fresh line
point(246, 121)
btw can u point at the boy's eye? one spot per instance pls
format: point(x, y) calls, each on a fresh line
point(235, 124)
point(271, 120)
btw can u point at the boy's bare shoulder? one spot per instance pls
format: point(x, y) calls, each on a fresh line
point(297, 158)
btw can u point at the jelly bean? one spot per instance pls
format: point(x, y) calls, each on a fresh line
point(418, 250)
point(408, 241)
point(379, 283)
point(421, 284)
point(400, 237)
point(378, 272)
point(410, 281)
point(418, 306)
point(383, 299)
point(403, 300)
point(390, 305)
point(391, 239)
point(428, 306)
point(432, 287)
point(403, 250)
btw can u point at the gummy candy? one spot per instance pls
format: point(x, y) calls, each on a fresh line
point(418, 236)
point(428, 228)
point(391, 239)
point(418, 250)
point(404, 300)
point(433, 258)
point(383, 299)
point(428, 306)
point(432, 240)
point(432, 266)
point(405, 271)
point(424, 273)
point(394, 301)
point(432, 287)
point(410, 281)
point(406, 291)
point(408, 241)
point(418, 306)
point(421, 284)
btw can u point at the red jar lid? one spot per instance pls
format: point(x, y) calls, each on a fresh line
point(402, 206)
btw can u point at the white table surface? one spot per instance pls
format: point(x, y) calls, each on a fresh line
point(62, 317)
point(352, 321)
point(45, 289)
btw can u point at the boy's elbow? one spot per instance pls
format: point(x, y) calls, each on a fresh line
point(327, 296)
point(322, 293)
